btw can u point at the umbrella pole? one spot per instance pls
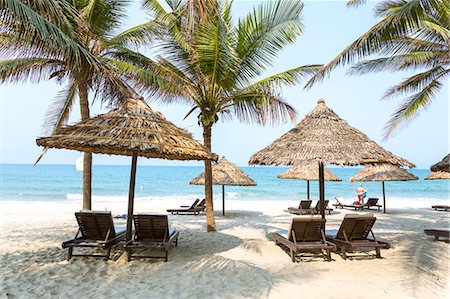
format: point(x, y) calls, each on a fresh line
point(321, 190)
point(384, 198)
point(131, 197)
point(307, 187)
point(223, 200)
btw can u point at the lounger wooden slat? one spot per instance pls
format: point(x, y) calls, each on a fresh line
point(354, 234)
point(152, 232)
point(305, 235)
point(96, 229)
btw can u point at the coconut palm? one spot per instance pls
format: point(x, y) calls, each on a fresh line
point(70, 42)
point(212, 65)
point(412, 35)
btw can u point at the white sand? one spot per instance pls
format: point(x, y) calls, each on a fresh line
point(238, 261)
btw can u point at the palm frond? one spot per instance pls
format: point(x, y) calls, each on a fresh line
point(410, 108)
point(31, 25)
point(33, 69)
point(264, 33)
point(58, 113)
point(140, 35)
point(417, 82)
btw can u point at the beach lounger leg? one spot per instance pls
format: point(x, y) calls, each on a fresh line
point(167, 255)
point(343, 253)
point(129, 253)
point(329, 255)
point(69, 253)
point(292, 256)
point(378, 251)
point(107, 253)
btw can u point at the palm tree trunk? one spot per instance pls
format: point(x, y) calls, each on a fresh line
point(87, 163)
point(210, 221)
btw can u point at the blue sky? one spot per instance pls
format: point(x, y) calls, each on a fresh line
point(329, 27)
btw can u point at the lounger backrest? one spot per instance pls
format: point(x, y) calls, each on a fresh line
point(202, 203)
point(152, 227)
point(325, 202)
point(356, 227)
point(305, 204)
point(306, 229)
point(95, 225)
point(372, 201)
point(194, 204)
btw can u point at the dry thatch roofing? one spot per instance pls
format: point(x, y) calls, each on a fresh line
point(438, 175)
point(381, 172)
point(308, 172)
point(132, 128)
point(226, 173)
point(443, 165)
point(324, 136)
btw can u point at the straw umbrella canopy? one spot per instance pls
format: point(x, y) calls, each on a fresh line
point(308, 172)
point(438, 175)
point(133, 129)
point(443, 165)
point(324, 137)
point(226, 174)
point(382, 172)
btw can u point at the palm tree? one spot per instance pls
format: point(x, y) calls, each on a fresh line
point(69, 41)
point(211, 64)
point(412, 35)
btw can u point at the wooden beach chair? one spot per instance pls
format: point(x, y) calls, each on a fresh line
point(201, 206)
point(441, 208)
point(372, 202)
point(305, 235)
point(438, 233)
point(316, 209)
point(95, 229)
point(340, 205)
point(187, 210)
point(152, 232)
point(303, 205)
point(354, 234)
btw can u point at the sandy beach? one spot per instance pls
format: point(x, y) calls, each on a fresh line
point(238, 261)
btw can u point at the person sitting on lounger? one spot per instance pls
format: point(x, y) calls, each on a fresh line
point(361, 194)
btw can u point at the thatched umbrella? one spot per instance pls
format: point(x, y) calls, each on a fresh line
point(307, 172)
point(382, 172)
point(133, 129)
point(324, 137)
point(226, 174)
point(438, 175)
point(443, 165)
point(440, 170)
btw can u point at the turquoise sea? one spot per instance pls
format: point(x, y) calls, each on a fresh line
point(62, 182)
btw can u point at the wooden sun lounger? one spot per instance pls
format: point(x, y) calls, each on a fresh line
point(353, 234)
point(96, 229)
point(438, 233)
point(372, 202)
point(316, 209)
point(188, 210)
point(340, 205)
point(304, 205)
point(305, 235)
point(441, 207)
point(152, 232)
